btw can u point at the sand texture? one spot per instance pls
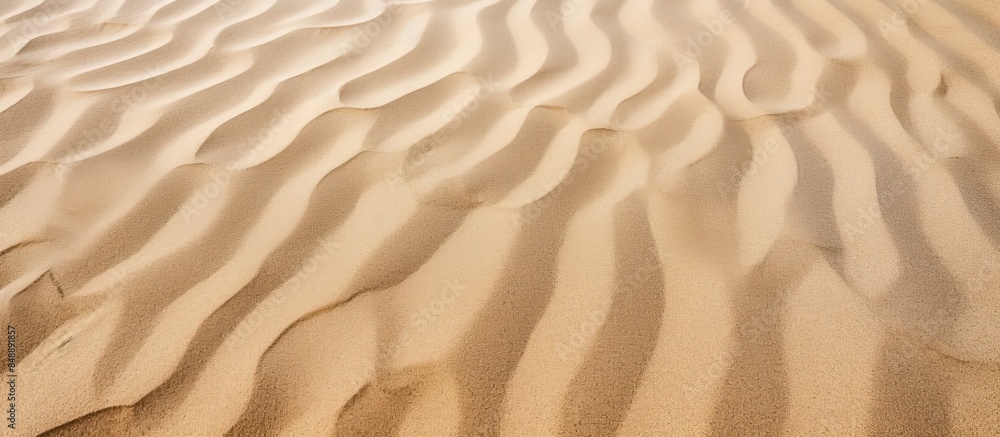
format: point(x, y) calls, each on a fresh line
point(501, 217)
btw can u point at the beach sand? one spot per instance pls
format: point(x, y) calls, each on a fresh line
point(500, 217)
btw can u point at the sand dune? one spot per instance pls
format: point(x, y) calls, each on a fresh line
point(501, 217)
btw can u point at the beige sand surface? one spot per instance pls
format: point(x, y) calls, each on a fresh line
point(501, 217)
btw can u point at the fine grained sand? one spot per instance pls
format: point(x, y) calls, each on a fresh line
point(501, 217)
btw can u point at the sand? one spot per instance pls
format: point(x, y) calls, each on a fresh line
point(500, 217)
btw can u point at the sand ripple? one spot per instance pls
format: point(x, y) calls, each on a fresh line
point(502, 217)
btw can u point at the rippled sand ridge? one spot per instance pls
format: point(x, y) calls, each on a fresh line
point(501, 217)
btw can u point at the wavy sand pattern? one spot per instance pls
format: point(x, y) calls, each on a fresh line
point(502, 217)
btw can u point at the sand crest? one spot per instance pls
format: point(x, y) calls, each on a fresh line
point(500, 217)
